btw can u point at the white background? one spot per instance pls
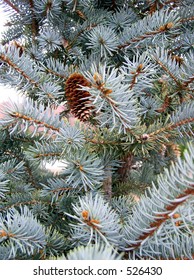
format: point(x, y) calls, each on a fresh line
point(23, 270)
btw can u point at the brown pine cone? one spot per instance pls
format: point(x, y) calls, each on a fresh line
point(77, 98)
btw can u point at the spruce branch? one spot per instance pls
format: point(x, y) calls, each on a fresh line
point(161, 22)
point(165, 130)
point(179, 69)
point(94, 252)
point(187, 71)
point(47, 9)
point(56, 243)
point(56, 187)
point(12, 6)
point(102, 40)
point(31, 118)
point(80, 33)
point(188, 19)
point(17, 115)
point(26, 238)
point(162, 218)
point(114, 104)
point(71, 138)
point(20, 71)
point(84, 170)
point(183, 118)
point(30, 173)
point(126, 165)
point(139, 73)
point(163, 66)
point(35, 27)
point(27, 169)
point(3, 185)
point(12, 169)
point(21, 66)
point(95, 221)
point(24, 203)
point(165, 105)
point(174, 188)
point(43, 152)
point(154, 5)
point(55, 67)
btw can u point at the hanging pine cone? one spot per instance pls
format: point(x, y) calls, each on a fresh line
point(78, 99)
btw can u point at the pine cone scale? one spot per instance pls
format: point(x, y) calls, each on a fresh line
point(78, 99)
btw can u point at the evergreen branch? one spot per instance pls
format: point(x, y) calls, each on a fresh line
point(183, 20)
point(101, 141)
point(102, 137)
point(28, 169)
point(54, 73)
point(125, 70)
point(12, 169)
point(56, 187)
point(32, 180)
point(3, 185)
point(5, 252)
point(74, 40)
point(189, 81)
point(43, 152)
point(102, 40)
point(180, 69)
point(84, 170)
point(47, 155)
point(183, 118)
point(50, 39)
point(162, 29)
point(34, 21)
point(11, 5)
point(71, 138)
point(5, 59)
point(28, 200)
point(167, 70)
point(125, 167)
point(18, 204)
point(161, 22)
point(136, 74)
point(95, 251)
point(55, 67)
point(155, 5)
point(165, 105)
point(181, 123)
point(139, 73)
point(25, 140)
point(31, 118)
point(113, 102)
point(187, 70)
point(173, 189)
point(56, 243)
point(161, 218)
point(26, 238)
point(155, 134)
point(17, 115)
point(177, 231)
point(96, 221)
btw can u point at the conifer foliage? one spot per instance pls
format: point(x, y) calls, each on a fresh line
point(124, 71)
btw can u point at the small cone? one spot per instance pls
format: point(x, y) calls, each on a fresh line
point(78, 100)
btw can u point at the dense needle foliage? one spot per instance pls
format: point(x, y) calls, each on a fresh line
point(106, 92)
